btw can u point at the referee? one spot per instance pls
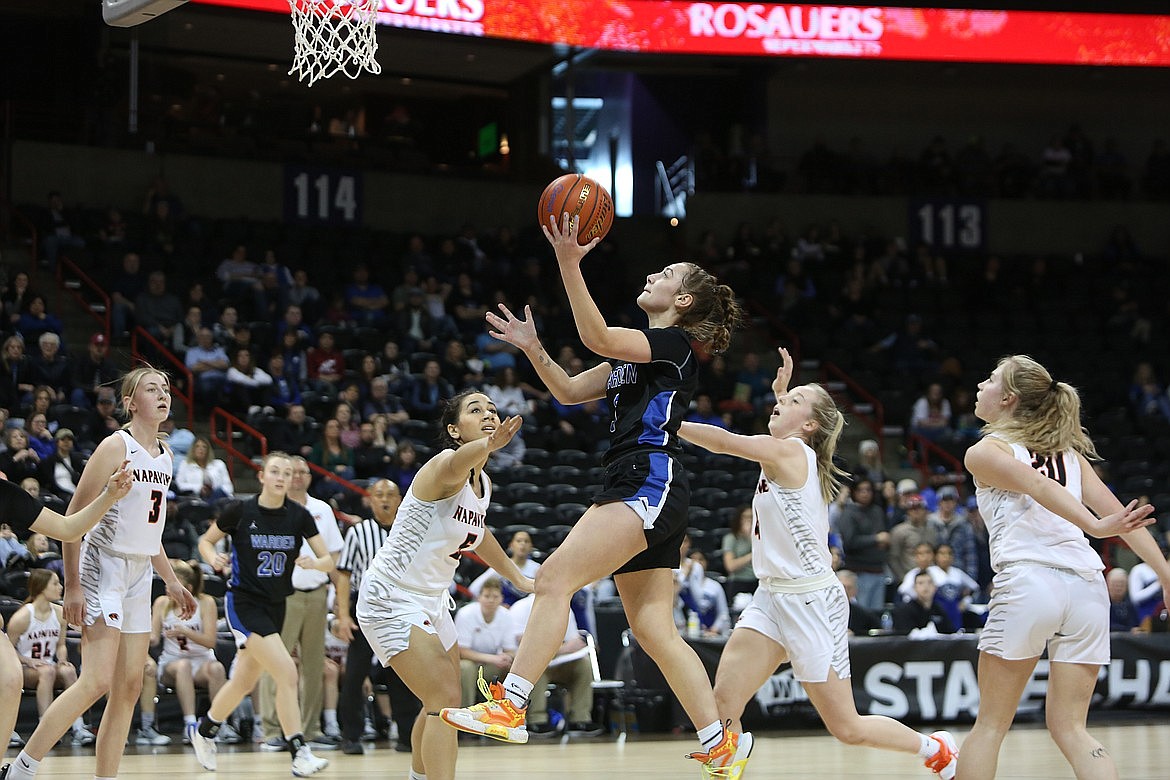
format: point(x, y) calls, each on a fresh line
point(362, 542)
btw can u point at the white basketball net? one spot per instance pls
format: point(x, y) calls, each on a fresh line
point(334, 36)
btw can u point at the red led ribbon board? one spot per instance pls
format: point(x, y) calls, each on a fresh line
point(766, 29)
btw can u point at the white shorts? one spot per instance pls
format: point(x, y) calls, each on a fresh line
point(386, 613)
point(1034, 605)
point(116, 588)
point(812, 627)
point(197, 662)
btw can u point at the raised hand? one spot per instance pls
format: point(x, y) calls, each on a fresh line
point(120, 482)
point(518, 332)
point(783, 373)
point(1130, 518)
point(564, 238)
point(500, 437)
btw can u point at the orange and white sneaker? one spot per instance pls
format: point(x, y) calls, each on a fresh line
point(728, 760)
point(945, 762)
point(497, 717)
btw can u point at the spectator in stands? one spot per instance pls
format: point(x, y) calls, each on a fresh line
point(869, 463)
point(485, 630)
point(706, 598)
point(15, 297)
point(953, 529)
point(224, 328)
point(157, 310)
point(348, 422)
point(374, 452)
point(41, 402)
point(59, 230)
point(1145, 589)
point(186, 332)
point(865, 541)
point(246, 384)
point(325, 364)
point(40, 438)
point(415, 326)
point(381, 403)
point(61, 469)
point(922, 613)
point(570, 668)
point(909, 351)
point(703, 411)
point(296, 360)
point(209, 363)
point(908, 534)
point(203, 475)
point(737, 555)
point(466, 306)
point(756, 379)
point(37, 631)
point(14, 374)
point(366, 301)
point(405, 465)
point(1147, 396)
point(1123, 615)
point(295, 435)
point(102, 419)
point(427, 393)
point(124, 288)
point(91, 371)
point(957, 589)
point(331, 454)
point(188, 657)
point(293, 321)
point(284, 390)
point(239, 278)
point(931, 415)
point(19, 460)
point(861, 620)
point(520, 551)
point(35, 319)
point(276, 280)
point(49, 367)
point(305, 295)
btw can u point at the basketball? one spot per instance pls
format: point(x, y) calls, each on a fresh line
point(581, 197)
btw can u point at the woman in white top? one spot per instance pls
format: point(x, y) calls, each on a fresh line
point(202, 475)
point(403, 605)
point(36, 632)
point(188, 643)
point(108, 580)
point(800, 612)
point(1033, 481)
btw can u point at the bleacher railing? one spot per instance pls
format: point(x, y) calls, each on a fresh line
point(861, 403)
point(223, 420)
point(184, 390)
point(68, 271)
point(927, 452)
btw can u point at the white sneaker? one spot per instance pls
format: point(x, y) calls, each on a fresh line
point(945, 762)
point(83, 737)
point(393, 735)
point(149, 736)
point(305, 763)
point(189, 730)
point(332, 731)
point(204, 750)
point(369, 733)
point(15, 741)
point(228, 735)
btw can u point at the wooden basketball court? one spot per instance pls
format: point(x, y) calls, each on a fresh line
point(1142, 752)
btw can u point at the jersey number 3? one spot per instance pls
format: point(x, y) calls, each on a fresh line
point(156, 499)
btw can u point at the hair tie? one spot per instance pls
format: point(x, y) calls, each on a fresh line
point(1052, 387)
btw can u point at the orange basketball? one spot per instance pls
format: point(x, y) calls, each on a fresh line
point(581, 197)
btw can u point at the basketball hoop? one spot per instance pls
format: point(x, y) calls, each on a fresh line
point(334, 36)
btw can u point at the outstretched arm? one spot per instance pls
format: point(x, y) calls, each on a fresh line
point(70, 528)
point(586, 386)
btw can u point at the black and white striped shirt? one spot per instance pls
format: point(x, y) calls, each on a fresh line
point(362, 543)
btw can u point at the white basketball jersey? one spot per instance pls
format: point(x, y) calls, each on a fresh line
point(134, 525)
point(422, 550)
point(40, 640)
point(1021, 529)
point(790, 527)
point(183, 647)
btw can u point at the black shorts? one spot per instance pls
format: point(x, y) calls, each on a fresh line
point(247, 615)
point(655, 486)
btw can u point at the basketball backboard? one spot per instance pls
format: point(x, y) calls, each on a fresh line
point(128, 13)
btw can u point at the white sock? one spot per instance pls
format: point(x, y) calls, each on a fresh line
point(24, 767)
point(710, 736)
point(147, 720)
point(78, 725)
point(517, 690)
point(929, 746)
point(330, 719)
point(189, 720)
point(416, 776)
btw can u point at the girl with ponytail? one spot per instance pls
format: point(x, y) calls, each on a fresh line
point(1035, 489)
point(800, 612)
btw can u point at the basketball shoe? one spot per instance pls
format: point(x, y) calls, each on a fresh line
point(945, 762)
point(728, 759)
point(497, 717)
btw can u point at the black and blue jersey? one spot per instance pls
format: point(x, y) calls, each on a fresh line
point(265, 545)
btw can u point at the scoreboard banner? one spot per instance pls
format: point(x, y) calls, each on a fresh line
point(771, 29)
